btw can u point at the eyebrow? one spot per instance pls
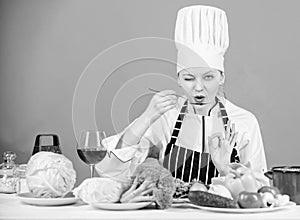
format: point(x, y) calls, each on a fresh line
point(192, 74)
point(188, 74)
point(210, 71)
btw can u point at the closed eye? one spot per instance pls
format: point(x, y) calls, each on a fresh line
point(189, 79)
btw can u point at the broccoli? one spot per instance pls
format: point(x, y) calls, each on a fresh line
point(158, 178)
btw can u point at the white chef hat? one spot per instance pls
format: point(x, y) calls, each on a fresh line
point(201, 36)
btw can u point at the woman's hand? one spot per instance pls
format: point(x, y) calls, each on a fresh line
point(160, 103)
point(138, 193)
point(221, 152)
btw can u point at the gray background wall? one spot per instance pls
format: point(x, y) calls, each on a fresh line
point(46, 45)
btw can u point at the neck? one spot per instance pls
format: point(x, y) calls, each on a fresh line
point(204, 110)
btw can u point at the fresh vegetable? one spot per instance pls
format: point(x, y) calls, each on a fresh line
point(266, 197)
point(268, 200)
point(161, 182)
point(198, 186)
point(281, 200)
point(250, 200)
point(202, 198)
point(218, 180)
point(240, 179)
point(98, 189)
point(274, 190)
point(220, 190)
point(50, 175)
point(182, 188)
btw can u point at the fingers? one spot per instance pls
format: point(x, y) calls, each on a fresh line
point(234, 166)
point(227, 130)
point(211, 145)
point(167, 103)
point(168, 108)
point(218, 135)
point(161, 103)
point(230, 134)
point(166, 95)
point(233, 138)
point(226, 145)
point(162, 99)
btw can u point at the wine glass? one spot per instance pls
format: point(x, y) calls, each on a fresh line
point(90, 149)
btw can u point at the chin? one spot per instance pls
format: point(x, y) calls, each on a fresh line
point(201, 108)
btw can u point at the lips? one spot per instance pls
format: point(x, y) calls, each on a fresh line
point(199, 98)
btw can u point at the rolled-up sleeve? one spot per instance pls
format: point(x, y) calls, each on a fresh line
point(121, 163)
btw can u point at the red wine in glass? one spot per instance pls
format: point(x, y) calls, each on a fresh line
point(90, 148)
point(91, 156)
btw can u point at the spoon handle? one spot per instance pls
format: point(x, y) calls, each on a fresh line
point(156, 91)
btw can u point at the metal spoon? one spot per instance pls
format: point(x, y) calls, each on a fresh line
point(156, 91)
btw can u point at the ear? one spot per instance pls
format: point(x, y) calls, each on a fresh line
point(222, 79)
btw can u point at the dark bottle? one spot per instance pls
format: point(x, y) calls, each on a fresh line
point(55, 148)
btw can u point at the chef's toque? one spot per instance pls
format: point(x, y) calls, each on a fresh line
point(201, 36)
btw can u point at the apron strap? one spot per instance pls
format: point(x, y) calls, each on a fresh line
point(203, 134)
point(178, 123)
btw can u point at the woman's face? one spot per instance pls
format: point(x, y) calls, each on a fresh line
point(201, 86)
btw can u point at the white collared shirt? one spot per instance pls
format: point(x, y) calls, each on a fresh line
point(120, 163)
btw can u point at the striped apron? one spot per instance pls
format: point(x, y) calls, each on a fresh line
point(188, 165)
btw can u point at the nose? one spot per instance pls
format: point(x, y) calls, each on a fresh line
point(198, 85)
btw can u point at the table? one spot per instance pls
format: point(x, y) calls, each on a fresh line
point(12, 208)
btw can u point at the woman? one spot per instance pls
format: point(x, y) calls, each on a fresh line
point(198, 135)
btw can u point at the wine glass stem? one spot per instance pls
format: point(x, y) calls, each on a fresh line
point(92, 168)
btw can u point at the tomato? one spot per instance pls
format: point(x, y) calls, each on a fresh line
point(274, 190)
point(197, 186)
point(250, 200)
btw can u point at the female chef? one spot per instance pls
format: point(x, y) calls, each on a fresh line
point(198, 136)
